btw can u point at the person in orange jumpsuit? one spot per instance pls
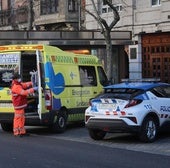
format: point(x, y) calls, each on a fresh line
point(20, 91)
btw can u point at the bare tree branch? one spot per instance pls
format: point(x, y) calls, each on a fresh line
point(96, 18)
point(102, 22)
point(106, 31)
point(115, 13)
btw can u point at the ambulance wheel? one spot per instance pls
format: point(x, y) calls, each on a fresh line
point(7, 127)
point(97, 134)
point(59, 125)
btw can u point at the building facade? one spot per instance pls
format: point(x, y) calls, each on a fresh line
point(149, 21)
point(41, 14)
point(59, 15)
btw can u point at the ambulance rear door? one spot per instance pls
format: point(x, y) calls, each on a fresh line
point(39, 74)
point(9, 63)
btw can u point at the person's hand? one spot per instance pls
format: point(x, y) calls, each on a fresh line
point(35, 88)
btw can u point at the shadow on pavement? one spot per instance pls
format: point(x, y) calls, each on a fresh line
point(42, 130)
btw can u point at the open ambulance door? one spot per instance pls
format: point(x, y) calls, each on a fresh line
point(38, 59)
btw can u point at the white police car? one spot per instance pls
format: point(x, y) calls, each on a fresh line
point(137, 107)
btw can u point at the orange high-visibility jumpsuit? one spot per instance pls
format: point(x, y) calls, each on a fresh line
point(19, 100)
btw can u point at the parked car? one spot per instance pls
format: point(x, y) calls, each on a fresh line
point(136, 107)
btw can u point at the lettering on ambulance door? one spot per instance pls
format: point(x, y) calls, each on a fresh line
point(88, 81)
point(9, 64)
point(38, 58)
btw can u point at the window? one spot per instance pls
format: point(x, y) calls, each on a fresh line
point(156, 2)
point(104, 2)
point(48, 6)
point(121, 93)
point(0, 5)
point(9, 63)
point(106, 8)
point(167, 90)
point(118, 8)
point(87, 76)
point(133, 53)
point(161, 91)
point(72, 6)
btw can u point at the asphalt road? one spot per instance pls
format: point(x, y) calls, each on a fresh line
point(75, 149)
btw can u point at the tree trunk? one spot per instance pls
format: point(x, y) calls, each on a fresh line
point(109, 57)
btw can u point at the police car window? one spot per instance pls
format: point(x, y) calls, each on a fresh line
point(159, 92)
point(122, 93)
point(87, 76)
point(167, 90)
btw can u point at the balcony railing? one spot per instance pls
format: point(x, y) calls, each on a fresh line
point(14, 17)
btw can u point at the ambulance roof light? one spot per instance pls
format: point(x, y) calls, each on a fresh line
point(21, 47)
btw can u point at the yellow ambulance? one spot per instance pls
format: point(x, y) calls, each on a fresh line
point(66, 81)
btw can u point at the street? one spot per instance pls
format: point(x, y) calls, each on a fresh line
point(75, 149)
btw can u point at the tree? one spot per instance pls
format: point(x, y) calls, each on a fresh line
point(106, 31)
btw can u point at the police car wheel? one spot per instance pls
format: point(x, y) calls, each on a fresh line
point(149, 130)
point(7, 127)
point(97, 134)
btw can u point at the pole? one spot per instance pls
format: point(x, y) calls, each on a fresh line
point(79, 14)
point(30, 14)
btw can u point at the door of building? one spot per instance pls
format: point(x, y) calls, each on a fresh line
point(156, 56)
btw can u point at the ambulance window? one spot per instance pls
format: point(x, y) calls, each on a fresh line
point(87, 76)
point(102, 76)
point(9, 63)
point(5, 77)
point(27, 59)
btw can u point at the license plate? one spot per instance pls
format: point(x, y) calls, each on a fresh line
point(107, 106)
